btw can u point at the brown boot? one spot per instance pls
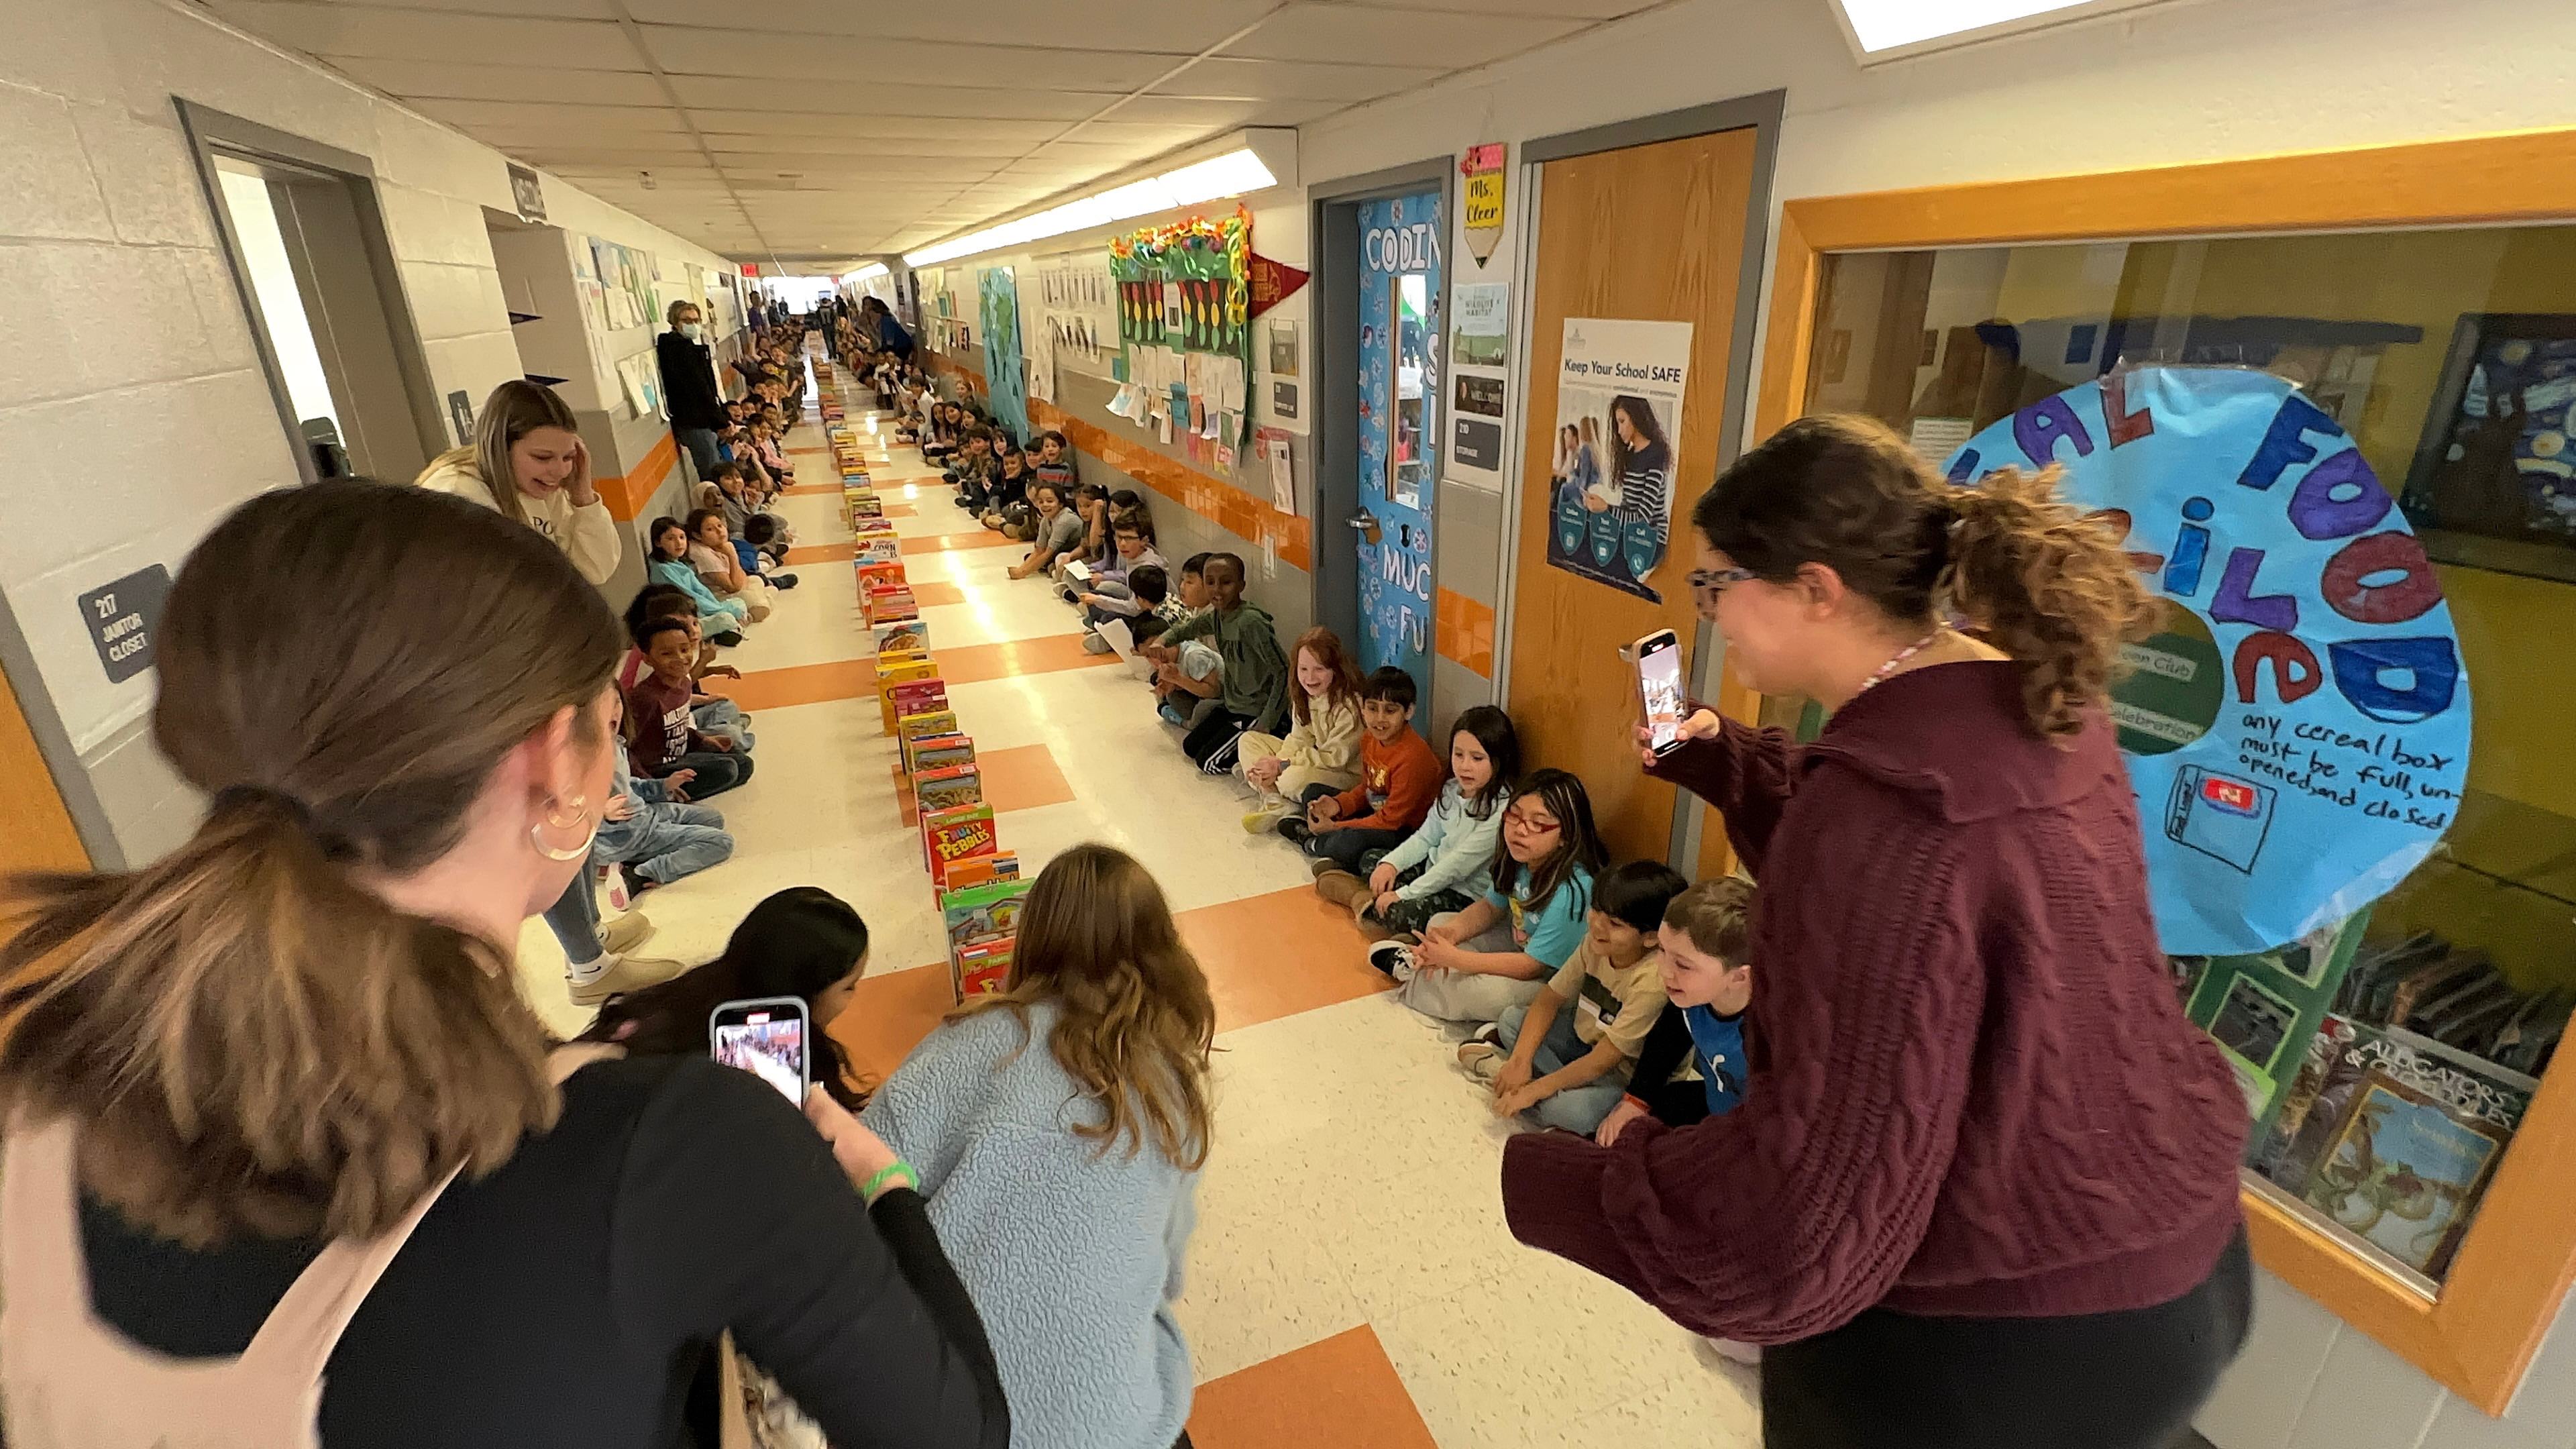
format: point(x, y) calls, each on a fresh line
point(1369, 925)
point(1340, 887)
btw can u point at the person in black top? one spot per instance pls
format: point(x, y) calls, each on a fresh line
point(689, 386)
point(287, 1032)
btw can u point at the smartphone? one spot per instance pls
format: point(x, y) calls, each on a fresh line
point(1659, 680)
point(767, 1037)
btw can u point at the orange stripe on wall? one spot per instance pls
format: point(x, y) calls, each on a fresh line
point(1243, 514)
point(1465, 631)
point(627, 496)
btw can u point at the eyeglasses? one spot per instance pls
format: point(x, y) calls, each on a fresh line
point(1711, 581)
point(1520, 821)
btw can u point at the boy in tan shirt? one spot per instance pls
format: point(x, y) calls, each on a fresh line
point(1565, 1058)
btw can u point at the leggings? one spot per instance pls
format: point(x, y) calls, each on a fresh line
point(1210, 742)
point(2129, 1380)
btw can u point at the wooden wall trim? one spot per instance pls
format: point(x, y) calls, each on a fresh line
point(36, 829)
point(2515, 1268)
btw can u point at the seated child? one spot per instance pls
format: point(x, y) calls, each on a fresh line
point(1004, 485)
point(1432, 871)
point(1491, 957)
point(661, 733)
point(1058, 1129)
point(1321, 755)
point(712, 713)
point(1161, 608)
point(720, 568)
point(1564, 1058)
point(721, 619)
point(973, 464)
point(1188, 682)
point(763, 546)
point(651, 837)
point(1098, 540)
point(1691, 1065)
point(1110, 594)
point(1398, 781)
point(1255, 678)
point(1054, 528)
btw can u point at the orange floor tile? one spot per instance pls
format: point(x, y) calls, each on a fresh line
point(1266, 957)
point(926, 595)
point(851, 678)
point(822, 553)
point(1022, 778)
point(1340, 1392)
point(809, 490)
point(954, 542)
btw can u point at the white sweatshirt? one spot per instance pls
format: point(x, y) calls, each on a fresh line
point(588, 535)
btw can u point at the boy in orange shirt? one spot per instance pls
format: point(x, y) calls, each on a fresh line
point(1399, 781)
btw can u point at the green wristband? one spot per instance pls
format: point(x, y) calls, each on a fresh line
point(885, 1176)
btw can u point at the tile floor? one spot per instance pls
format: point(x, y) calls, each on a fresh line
point(1351, 1282)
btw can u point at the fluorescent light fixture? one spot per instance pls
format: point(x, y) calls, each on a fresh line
point(869, 272)
point(1879, 27)
point(1231, 174)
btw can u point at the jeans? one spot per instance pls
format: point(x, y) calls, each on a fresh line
point(1344, 848)
point(665, 841)
point(725, 720)
point(1576, 1109)
point(701, 446)
point(574, 918)
point(718, 771)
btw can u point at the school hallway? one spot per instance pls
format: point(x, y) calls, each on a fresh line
point(1351, 1281)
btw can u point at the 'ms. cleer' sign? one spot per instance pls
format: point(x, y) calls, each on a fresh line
point(2298, 729)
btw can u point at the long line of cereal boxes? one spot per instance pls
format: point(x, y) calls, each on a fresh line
point(977, 884)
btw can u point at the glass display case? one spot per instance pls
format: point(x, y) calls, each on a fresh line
point(2409, 1145)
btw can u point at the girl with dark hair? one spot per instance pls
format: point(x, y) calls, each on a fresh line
point(1982, 1189)
point(1495, 954)
point(275, 1102)
point(1429, 874)
point(803, 942)
point(1060, 1127)
point(668, 562)
point(1640, 491)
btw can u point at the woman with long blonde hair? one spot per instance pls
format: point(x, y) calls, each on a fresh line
point(528, 463)
point(1058, 1129)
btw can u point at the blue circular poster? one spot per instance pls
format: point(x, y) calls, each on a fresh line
point(2298, 728)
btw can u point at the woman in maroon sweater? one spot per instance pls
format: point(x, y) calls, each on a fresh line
point(1982, 1190)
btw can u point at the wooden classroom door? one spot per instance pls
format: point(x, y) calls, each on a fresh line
point(1651, 233)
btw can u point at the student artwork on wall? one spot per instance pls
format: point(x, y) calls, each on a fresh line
point(2298, 729)
point(1619, 395)
point(1184, 290)
point(999, 296)
point(2498, 455)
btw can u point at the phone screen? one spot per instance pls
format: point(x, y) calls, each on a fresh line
point(1660, 672)
point(768, 1044)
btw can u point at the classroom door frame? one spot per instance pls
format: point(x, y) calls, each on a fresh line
point(1334, 442)
point(1761, 114)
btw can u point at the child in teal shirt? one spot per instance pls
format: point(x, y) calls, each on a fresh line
point(1483, 961)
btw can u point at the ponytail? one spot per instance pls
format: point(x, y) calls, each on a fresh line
point(251, 1039)
point(255, 1045)
point(2048, 586)
point(2041, 582)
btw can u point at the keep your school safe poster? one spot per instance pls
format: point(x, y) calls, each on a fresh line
point(2298, 728)
point(1619, 391)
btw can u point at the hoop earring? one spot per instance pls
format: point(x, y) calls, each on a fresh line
point(580, 812)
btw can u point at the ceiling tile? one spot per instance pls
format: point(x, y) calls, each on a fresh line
point(545, 117)
point(1016, 103)
point(331, 31)
point(1353, 33)
point(559, 9)
point(684, 50)
point(426, 79)
point(1281, 80)
point(1209, 116)
point(1147, 24)
point(1590, 11)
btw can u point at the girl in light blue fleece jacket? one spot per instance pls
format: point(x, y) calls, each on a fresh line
point(1438, 868)
point(1058, 1129)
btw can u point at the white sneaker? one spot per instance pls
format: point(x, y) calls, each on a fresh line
point(1716, 1351)
point(1394, 958)
point(620, 973)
